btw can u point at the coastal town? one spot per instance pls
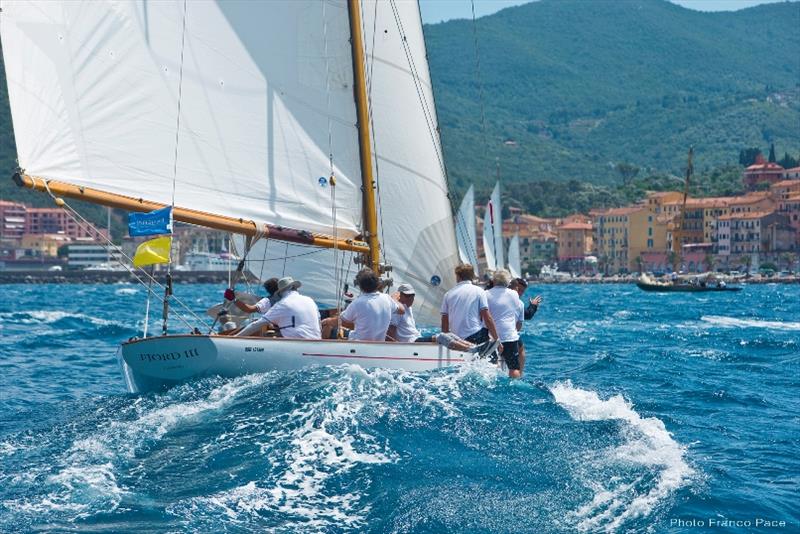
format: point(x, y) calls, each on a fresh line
point(755, 232)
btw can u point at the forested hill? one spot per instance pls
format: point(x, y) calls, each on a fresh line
point(572, 88)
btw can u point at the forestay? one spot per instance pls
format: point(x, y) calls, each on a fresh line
point(94, 89)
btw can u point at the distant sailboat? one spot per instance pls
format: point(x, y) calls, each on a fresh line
point(493, 231)
point(255, 118)
point(514, 264)
point(465, 229)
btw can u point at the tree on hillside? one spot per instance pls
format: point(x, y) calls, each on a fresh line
point(788, 162)
point(772, 153)
point(628, 171)
point(747, 156)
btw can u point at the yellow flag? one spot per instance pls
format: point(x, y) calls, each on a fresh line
point(152, 252)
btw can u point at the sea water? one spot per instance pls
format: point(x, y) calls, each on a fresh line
point(638, 412)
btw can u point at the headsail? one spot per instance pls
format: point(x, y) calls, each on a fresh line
point(465, 229)
point(265, 96)
point(514, 265)
point(416, 221)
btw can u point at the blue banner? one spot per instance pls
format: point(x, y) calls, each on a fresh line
point(153, 223)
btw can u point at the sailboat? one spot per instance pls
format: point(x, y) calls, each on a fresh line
point(493, 231)
point(514, 262)
point(307, 128)
point(465, 229)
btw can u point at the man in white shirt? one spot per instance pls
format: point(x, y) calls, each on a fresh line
point(508, 311)
point(262, 306)
point(295, 315)
point(367, 316)
point(465, 310)
point(520, 285)
point(402, 327)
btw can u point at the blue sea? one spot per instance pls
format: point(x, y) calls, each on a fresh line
point(638, 412)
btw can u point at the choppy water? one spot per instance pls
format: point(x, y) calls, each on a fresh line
point(638, 412)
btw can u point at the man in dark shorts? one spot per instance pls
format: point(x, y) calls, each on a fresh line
point(520, 285)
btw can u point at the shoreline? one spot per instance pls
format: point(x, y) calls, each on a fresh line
point(214, 277)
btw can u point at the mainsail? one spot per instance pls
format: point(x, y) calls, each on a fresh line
point(514, 265)
point(242, 110)
point(465, 229)
point(264, 91)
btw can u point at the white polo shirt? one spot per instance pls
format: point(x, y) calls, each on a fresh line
point(371, 313)
point(264, 305)
point(463, 305)
point(506, 309)
point(298, 310)
point(406, 326)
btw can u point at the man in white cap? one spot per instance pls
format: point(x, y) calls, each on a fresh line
point(402, 327)
point(294, 315)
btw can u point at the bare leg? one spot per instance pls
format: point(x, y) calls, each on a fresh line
point(521, 358)
point(253, 328)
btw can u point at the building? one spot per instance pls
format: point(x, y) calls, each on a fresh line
point(784, 189)
point(83, 254)
point(790, 208)
point(761, 233)
point(56, 221)
point(574, 242)
point(12, 221)
point(792, 174)
point(611, 238)
point(43, 245)
point(762, 172)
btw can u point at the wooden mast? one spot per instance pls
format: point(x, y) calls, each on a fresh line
point(365, 147)
point(677, 233)
point(200, 218)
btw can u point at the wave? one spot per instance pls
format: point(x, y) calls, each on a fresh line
point(733, 322)
point(325, 440)
point(646, 443)
point(123, 291)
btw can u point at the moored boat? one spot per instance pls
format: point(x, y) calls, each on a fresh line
point(695, 284)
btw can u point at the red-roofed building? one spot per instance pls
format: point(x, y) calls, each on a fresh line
point(792, 174)
point(574, 242)
point(762, 172)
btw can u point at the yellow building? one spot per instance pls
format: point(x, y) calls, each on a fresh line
point(43, 245)
point(612, 237)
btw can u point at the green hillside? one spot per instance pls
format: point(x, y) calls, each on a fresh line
point(580, 86)
point(573, 88)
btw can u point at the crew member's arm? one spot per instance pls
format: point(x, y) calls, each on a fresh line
point(230, 296)
point(533, 307)
point(489, 322)
point(391, 333)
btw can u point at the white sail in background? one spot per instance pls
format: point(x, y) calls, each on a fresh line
point(497, 227)
point(94, 85)
point(416, 221)
point(493, 231)
point(465, 229)
point(514, 265)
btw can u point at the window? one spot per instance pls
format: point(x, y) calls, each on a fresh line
point(649, 243)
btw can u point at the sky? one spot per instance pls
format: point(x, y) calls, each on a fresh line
point(439, 10)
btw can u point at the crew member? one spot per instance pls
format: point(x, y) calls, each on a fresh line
point(402, 327)
point(520, 285)
point(369, 314)
point(465, 309)
point(262, 306)
point(294, 315)
point(507, 309)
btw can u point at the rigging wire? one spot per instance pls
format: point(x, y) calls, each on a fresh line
point(480, 87)
point(89, 228)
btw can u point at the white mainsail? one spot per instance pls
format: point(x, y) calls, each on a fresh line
point(514, 265)
point(94, 88)
point(263, 95)
point(465, 229)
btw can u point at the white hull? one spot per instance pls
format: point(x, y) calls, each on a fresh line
point(158, 363)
